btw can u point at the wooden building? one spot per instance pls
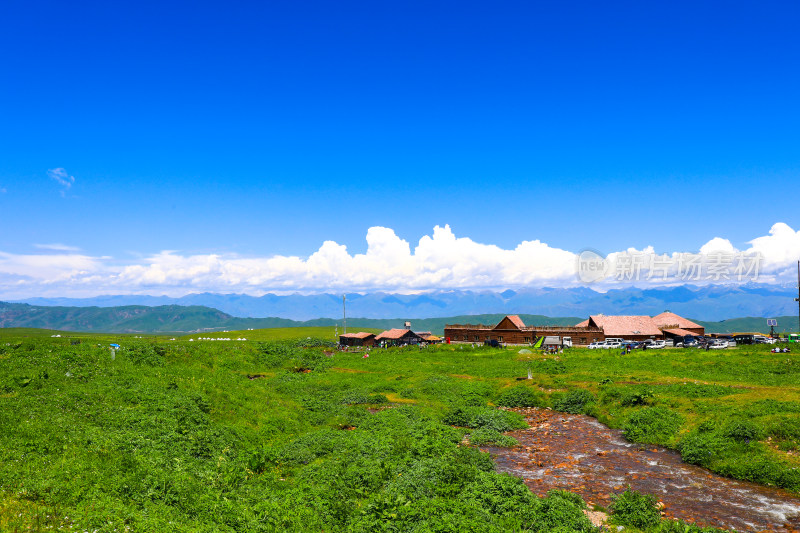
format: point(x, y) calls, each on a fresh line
point(398, 337)
point(641, 327)
point(512, 330)
point(361, 338)
point(428, 337)
point(628, 327)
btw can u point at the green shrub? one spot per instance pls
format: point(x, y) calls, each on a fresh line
point(485, 417)
point(522, 397)
point(274, 354)
point(574, 401)
point(490, 437)
point(786, 428)
point(742, 430)
point(634, 509)
point(143, 354)
point(703, 448)
point(548, 366)
point(652, 425)
point(637, 397)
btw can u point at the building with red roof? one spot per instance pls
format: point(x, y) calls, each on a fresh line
point(361, 338)
point(512, 330)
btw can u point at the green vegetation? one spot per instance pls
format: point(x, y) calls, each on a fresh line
point(293, 435)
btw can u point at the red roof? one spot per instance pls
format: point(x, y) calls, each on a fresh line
point(680, 332)
point(394, 333)
point(671, 319)
point(584, 324)
point(359, 335)
point(621, 325)
point(515, 320)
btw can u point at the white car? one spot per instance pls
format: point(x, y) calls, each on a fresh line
point(612, 345)
point(718, 344)
point(596, 345)
point(657, 345)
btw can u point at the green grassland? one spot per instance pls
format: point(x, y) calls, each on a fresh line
point(292, 435)
point(276, 334)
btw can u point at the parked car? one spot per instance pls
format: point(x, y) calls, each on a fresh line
point(656, 345)
point(611, 345)
point(597, 345)
point(743, 339)
point(728, 339)
point(717, 344)
point(690, 342)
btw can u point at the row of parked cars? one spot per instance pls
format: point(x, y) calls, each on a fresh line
point(690, 341)
point(612, 343)
point(717, 343)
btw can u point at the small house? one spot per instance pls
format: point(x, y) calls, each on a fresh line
point(398, 337)
point(361, 338)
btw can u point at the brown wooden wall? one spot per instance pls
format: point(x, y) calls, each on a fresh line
point(516, 336)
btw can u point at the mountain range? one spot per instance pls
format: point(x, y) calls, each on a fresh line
point(712, 303)
point(718, 308)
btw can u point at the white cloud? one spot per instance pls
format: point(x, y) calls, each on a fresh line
point(717, 245)
point(58, 247)
point(48, 268)
point(61, 176)
point(438, 261)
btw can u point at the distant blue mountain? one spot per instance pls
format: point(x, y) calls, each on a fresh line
point(711, 303)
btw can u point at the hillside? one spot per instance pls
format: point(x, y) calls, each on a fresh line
point(176, 318)
point(125, 319)
point(195, 318)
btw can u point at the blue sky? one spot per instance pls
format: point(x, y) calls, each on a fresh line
point(264, 129)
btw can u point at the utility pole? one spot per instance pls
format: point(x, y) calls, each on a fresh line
point(798, 296)
point(344, 310)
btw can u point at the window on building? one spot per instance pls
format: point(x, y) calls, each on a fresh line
point(527, 339)
point(477, 338)
point(499, 339)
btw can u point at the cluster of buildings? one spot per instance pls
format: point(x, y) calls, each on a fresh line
point(512, 330)
point(390, 337)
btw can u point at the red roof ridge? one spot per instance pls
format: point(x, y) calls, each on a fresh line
point(668, 318)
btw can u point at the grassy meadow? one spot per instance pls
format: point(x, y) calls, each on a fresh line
point(279, 434)
point(327, 333)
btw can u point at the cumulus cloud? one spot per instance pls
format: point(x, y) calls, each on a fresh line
point(440, 260)
point(61, 176)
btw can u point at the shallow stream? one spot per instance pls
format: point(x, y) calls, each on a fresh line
point(581, 455)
